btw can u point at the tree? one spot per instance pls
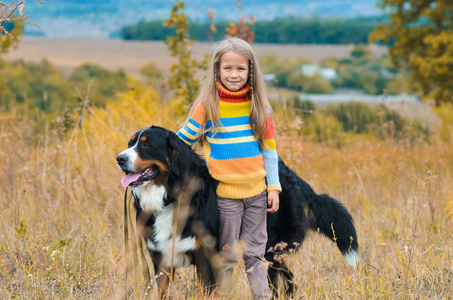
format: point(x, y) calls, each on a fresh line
point(240, 30)
point(10, 35)
point(182, 79)
point(11, 18)
point(422, 36)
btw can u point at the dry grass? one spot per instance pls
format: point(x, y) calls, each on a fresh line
point(61, 211)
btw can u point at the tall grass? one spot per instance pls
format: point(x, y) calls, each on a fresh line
point(61, 209)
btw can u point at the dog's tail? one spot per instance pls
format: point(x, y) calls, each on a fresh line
point(325, 214)
point(332, 219)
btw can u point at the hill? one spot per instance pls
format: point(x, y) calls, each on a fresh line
point(87, 18)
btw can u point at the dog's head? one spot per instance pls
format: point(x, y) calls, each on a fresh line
point(153, 155)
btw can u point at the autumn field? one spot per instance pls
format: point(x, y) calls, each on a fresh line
point(61, 202)
point(61, 209)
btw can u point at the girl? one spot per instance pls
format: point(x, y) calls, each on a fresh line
point(232, 114)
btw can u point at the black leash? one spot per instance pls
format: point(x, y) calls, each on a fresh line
point(137, 245)
point(126, 239)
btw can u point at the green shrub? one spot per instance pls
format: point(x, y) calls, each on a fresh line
point(381, 121)
point(305, 109)
point(322, 128)
point(105, 83)
point(151, 71)
point(41, 84)
point(444, 128)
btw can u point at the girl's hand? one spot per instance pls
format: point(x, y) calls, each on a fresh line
point(273, 201)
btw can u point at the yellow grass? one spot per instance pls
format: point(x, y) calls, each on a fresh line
point(61, 211)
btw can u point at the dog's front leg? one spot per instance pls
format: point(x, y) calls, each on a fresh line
point(163, 279)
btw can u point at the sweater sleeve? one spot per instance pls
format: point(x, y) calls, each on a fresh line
point(190, 133)
point(270, 156)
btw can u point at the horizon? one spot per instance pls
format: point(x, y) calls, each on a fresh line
point(82, 18)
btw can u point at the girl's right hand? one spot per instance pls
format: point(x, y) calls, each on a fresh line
point(273, 201)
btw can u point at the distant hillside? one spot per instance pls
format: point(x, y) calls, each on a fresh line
point(99, 18)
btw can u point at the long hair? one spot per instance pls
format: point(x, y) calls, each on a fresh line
point(208, 90)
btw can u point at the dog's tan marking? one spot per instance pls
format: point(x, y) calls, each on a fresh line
point(198, 244)
point(143, 138)
point(141, 165)
point(133, 138)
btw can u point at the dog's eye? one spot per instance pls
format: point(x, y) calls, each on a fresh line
point(144, 145)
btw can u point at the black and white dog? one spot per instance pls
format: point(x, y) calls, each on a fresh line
point(160, 170)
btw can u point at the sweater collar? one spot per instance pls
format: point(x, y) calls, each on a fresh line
point(225, 95)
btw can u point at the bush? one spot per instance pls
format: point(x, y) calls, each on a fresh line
point(151, 71)
point(38, 83)
point(323, 128)
point(358, 117)
point(445, 126)
point(105, 86)
point(317, 85)
point(285, 70)
point(305, 109)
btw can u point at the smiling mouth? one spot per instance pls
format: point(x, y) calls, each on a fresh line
point(135, 179)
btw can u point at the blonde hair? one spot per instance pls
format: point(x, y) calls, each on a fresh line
point(208, 90)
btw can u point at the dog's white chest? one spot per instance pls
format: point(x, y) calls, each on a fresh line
point(163, 242)
point(151, 197)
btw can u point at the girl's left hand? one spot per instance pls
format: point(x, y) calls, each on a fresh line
point(273, 201)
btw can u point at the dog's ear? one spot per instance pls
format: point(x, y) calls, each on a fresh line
point(180, 155)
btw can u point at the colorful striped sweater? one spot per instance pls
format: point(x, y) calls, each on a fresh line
point(233, 155)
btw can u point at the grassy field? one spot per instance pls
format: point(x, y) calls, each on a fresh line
point(61, 210)
point(113, 54)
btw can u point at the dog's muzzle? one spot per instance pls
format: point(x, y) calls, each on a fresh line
point(134, 177)
point(122, 161)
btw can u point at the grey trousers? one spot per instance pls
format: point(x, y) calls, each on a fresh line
point(244, 219)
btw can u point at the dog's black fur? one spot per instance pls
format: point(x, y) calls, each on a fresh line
point(300, 210)
point(172, 164)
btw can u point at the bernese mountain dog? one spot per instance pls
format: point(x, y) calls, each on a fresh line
point(176, 208)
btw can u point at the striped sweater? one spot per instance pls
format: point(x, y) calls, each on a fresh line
point(233, 156)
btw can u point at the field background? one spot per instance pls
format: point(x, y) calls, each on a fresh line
point(61, 200)
point(113, 54)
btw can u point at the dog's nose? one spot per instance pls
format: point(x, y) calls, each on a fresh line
point(121, 159)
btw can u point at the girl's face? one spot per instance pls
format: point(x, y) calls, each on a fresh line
point(234, 70)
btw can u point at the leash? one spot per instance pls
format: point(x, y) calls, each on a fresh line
point(126, 239)
point(137, 245)
point(134, 244)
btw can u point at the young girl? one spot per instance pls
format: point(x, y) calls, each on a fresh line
point(233, 116)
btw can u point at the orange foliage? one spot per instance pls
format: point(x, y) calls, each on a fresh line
point(240, 30)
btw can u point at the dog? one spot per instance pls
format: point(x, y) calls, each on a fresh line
point(165, 174)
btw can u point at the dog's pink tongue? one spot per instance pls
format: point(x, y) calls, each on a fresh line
point(131, 177)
